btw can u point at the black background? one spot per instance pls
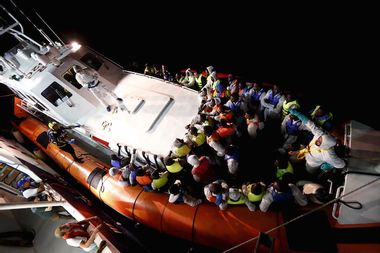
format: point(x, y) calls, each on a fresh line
point(328, 53)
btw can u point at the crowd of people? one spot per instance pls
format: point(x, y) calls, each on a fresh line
point(249, 145)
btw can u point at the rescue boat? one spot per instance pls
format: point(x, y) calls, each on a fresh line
point(236, 229)
point(42, 76)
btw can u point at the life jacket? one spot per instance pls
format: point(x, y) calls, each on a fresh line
point(160, 182)
point(236, 202)
point(253, 197)
point(202, 168)
point(227, 116)
point(226, 131)
point(292, 126)
point(144, 179)
point(287, 105)
point(76, 230)
point(255, 96)
point(274, 99)
point(199, 139)
point(174, 168)
point(281, 172)
point(213, 137)
point(182, 151)
point(57, 138)
point(200, 81)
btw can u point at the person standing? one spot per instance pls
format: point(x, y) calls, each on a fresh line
point(89, 79)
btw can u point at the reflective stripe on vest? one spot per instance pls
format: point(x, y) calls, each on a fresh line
point(281, 172)
point(174, 168)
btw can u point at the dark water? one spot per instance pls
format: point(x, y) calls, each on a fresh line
point(324, 55)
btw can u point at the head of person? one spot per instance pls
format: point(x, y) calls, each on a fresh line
point(256, 86)
point(208, 130)
point(77, 68)
point(322, 195)
point(320, 111)
point(113, 171)
point(193, 160)
point(276, 89)
point(53, 125)
point(178, 143)
point(169, 161)
point(216, 188)
point(209, 70)
point(174, 189)
point(193, 131)
point(61, 231)
point(257, 189)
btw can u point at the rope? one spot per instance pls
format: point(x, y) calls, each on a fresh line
point(310, 212)
point(8, 95)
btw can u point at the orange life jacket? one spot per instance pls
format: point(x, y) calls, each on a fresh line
point(76, 230)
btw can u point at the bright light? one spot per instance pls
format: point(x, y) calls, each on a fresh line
point(75, 46)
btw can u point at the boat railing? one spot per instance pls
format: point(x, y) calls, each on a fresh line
point(338, 199)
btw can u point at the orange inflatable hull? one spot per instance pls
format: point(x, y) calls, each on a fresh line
point(204, 224)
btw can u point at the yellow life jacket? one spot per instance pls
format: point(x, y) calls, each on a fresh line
point(253, 197)
point(174, 168)
point(281, 172)
point(182, 151)
point(237, 202)
point(200, 139)
point(160, 182)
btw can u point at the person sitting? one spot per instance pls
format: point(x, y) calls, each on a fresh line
point(236, 197)
point(57, 136)
point(291, 128)
point(280, 193)
point(76, 235)
point(254, 191)
point(202, 171)
point(272, 103)
point(179, 194)
point(180, 148)
point(159, 180)
point(316, 193)
point(217, 192)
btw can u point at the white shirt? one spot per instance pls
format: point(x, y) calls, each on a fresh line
point(316, 156)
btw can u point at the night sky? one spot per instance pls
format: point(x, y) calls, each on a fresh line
point(318, 50)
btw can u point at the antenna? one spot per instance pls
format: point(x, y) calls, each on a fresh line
point(38, 29)
point(50, 29)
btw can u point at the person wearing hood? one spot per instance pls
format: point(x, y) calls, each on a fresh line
point(189, 80)
point(272, 103)
point(319, 153)
point(89, 79)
